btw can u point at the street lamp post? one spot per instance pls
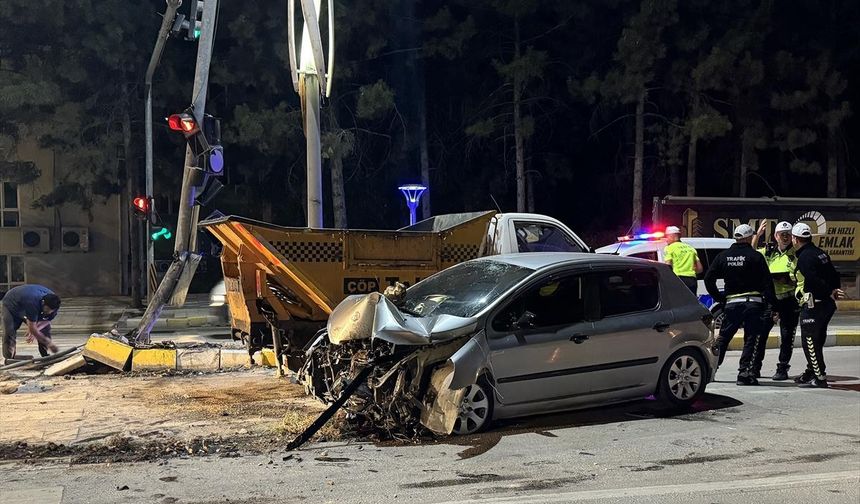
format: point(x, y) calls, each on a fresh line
point(310, 80)
point(412, 193)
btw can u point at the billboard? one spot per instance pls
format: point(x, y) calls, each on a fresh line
point(835, 223)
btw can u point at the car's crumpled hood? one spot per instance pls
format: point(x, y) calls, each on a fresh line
point(375, 316)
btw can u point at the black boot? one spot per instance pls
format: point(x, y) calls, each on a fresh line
point(781, 372)
point(746, 379)
point(817, 382)
point(806, 377)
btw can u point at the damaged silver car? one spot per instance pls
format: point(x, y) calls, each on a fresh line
point(509, 336)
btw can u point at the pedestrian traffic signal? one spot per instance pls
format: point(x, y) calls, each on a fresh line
point(142, 207)
point(161, 233)
point(214, 162)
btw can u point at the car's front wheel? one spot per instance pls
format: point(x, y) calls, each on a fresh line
point(683, 379)
point(476, 409)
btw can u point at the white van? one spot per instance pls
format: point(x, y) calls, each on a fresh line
point(650, 246)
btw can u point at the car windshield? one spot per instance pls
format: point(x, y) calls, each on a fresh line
point(462, 290)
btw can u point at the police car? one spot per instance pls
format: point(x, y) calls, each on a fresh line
point(650, 246)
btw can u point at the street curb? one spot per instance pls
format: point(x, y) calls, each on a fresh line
point(848, 305)
point(124, 357)
point(838, 338)
point(153, 359)
point(175, 322)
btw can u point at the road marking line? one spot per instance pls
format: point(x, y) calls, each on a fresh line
point(687, 488)
point(49, 495)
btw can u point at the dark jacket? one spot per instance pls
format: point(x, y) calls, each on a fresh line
point(744, 269)
point(819, 275)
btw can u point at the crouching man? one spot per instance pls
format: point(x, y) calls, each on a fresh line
point(37, 306)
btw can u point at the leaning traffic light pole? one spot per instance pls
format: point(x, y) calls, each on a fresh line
point(163, 34)
point(185, 260)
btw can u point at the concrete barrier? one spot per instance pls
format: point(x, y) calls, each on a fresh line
point(232, 358)
point(108, 351)
point(198, 359)
point(153, 359)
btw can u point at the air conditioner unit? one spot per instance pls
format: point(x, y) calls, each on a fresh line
point(75, 239)
point(35, 239)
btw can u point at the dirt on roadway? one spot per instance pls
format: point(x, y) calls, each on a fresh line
point(115, 418)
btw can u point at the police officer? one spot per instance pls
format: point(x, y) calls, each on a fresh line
point(817, 291)
point(748, 287)
point(683, 258)
point(781, 260)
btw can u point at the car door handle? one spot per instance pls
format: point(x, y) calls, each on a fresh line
point(578, 338)
point(661, 326)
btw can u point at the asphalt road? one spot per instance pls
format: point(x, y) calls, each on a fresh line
point(769, 444)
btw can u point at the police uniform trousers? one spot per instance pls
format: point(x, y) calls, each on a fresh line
point(813, 332)
point(749, 315)
point(789, 313)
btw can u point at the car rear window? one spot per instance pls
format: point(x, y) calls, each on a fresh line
point(628, 291)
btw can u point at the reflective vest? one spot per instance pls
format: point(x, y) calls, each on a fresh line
point(783, 269)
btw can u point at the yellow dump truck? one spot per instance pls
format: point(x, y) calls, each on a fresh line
point(286, 281)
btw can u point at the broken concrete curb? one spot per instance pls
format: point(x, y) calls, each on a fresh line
point(66, 366)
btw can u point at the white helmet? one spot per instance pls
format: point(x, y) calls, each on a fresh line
point(673, 230)
point(782, 226)
point(743, 231)
point(801, 230)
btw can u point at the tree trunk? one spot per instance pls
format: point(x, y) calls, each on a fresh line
point(639, 161)
point(133, 232)
point(744, 168)
point(425, 161)
point(832, 164)
point(674, 179)
point(530, 192)
point(842, 176)
point(337, 197)
point(691, 165)
point(518, 135)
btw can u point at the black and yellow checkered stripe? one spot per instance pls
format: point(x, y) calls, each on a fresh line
point(310, 252)
point(457, 253)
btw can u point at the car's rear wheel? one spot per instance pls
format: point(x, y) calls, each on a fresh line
point(476, 409)
point(683, 379)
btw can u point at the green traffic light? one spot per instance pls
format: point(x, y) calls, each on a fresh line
point(162, 233)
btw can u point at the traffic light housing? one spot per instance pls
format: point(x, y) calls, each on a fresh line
point(195, 18)
point(192, 24)
point(205, 142)
point(142, 207)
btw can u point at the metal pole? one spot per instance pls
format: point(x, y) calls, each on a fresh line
point(186, 224)
point(314, 157)
point(163, 34)
point(192, 176)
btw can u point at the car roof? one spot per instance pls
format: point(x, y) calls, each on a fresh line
point(543, 260)
point(637, 246)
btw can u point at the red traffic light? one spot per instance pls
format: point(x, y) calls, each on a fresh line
point(141, 203)
point(183, 122)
